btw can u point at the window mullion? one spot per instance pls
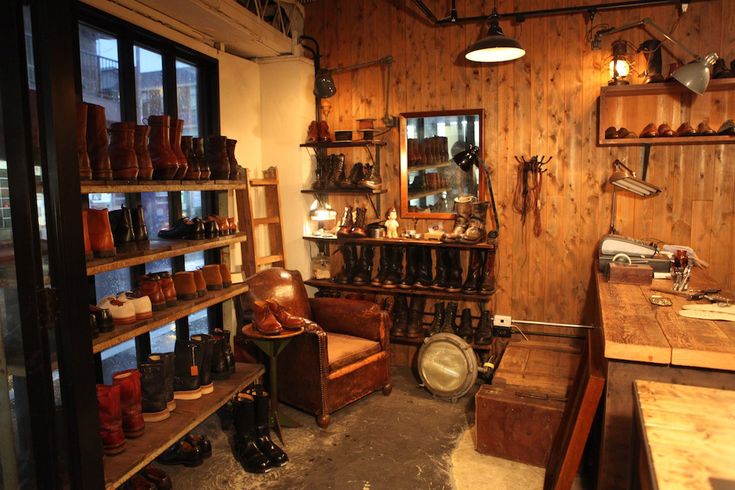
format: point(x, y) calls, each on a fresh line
point(169, 84)
point(127, 79)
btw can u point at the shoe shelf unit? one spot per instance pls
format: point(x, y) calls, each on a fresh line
point(117, 186)
point(432, 192)
point(418, 341)
point(635, 106)
point(160, 435)
point(412, 291)
point(428, 166)
point(160, 249)
point(160, 318)
point(404, 242)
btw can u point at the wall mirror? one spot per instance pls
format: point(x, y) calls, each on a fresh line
point(430, 180)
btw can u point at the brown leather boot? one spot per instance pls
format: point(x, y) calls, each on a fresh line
point(175, 132)
point(232, 225)
point(213, 277)
point(88, 254)
point(198, 147)
point(487, 285)
point(463, 209)
point(145, 166)
point(192, 171)
point(122, 151)
point(358, 229)
point(167, 288)
point(97, 143)
point(346, 224)
point(85, 171)
point(186, 288)
point(201, 284)
point(235, 172)
point(476, 230)
point(100, 233)
point(150, 286)
point(165, 162)
point(264, 320)
point(216, 156)
point(287, 320)
point(224, 271)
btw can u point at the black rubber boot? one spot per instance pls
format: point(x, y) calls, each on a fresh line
point(412, 258)
point(450, 314)
point(474, 274)
point(465, 326)
point(383, 267)
point(169, 367)
point(251, 458)
point(423, 269)
point(153, 391)
point(186, 372)
point(436, 324)
point(204, 361)
point(349, 258)
point(484, 331)
point(364, 265)
point(228, 348)
point(487, 285)
point(454, 270)
point(415, 327)
point(400, 316)
point(276, 456)
point(395, 270)
point(442, 269)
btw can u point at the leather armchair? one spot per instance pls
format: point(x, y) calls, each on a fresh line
point(340, 358)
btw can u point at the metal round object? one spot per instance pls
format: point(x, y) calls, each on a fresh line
point(622, 258)
point(447, 366)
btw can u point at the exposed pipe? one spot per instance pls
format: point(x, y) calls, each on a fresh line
point(553, 324)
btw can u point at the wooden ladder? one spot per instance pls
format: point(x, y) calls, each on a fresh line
point(251, 260)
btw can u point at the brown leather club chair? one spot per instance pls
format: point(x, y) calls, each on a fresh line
point(341, 359)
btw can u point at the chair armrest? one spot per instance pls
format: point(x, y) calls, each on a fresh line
point(351, 317)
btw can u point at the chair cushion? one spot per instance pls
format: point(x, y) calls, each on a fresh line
point(343, 350)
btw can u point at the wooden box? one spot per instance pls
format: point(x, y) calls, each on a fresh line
point(515, 424)
point(629, 273)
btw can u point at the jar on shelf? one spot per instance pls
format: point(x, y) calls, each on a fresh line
point(320, 266)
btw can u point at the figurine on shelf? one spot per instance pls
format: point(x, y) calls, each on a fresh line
point(391, 223)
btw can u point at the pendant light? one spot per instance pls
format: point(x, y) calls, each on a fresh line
point(496, 46)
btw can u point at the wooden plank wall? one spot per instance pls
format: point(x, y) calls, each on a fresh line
point(543, 104)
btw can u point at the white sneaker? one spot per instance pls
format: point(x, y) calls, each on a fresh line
point(142, 304)
point(122, 311)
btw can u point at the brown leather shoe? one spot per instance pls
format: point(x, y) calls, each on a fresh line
point(100, 233)
point(626, 133)
point(704, 129)
point(264, 320)
point(727, 128)
point(150, 286)
point(224, 271)
point(213, 277)
point(649, 131)
point(685, 129)
point(233, 225)
point(123, 160)
point(287, 320)
point(611, 133)
point(185, 285)
point(88, 254)
point(200, 282)
point(665, 131)
point(167, 288)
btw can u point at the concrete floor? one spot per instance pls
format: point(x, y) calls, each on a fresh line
point(407, 440)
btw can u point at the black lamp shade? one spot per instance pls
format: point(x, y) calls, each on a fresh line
point(324, 84)
point(496, 46)
point(468, 158)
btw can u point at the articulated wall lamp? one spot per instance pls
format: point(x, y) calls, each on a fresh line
point(695, 76)
point(496, 46)
point(471, 158)
point(624, 178)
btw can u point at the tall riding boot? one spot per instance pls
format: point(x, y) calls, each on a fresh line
point(442, 269)
point(423, 268)
point(186, 373)
point(246, 449)
point(145, 165)
point(100, 233)
point(121, 223)
point(97, 143)
point(450, 314)
point(412, 258)
point(110, 414)
point(364, 265)
point(474, 274)
point(346, 223)
point(85, 170)
point(454, 270)
point(484, 331)
point(437, 323)
point(216, 156)
point(358, 228)
point(488, 277)
point(165, 162)
point(276, 456)
point(393, 277)
point(349, 258)
point(130, 401)
point(152, 385)
point(415, 327)
point(476, 230)
point(168, 361)
point(175, 132)
point(235, 171)
point(192, 166)
point(383, 266)
point(88, 254)
point(123, 160)
point(463, 209)
point(465, 325)
point(400, 316)
point(140, 230)
point(204, 361)
point(198, 148)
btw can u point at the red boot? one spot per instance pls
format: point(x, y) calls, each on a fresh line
point(130, 401)
point(145, 166)
point(122, 151)
point(165, 161)
point(99, 156)
point(111, 431)
point(100, 233)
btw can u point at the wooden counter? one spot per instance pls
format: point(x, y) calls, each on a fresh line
point(686, 436)
point(646, 342)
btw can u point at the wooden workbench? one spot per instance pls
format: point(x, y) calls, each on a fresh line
point(685, 436)
point(647, 342)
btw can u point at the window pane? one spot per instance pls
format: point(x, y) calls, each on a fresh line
point(187, 97)
point(111, 283)
point(155, 207)
point(164, 339)
point(118, 358)
point(100, 72)
point(191, 204)
point(148, 82)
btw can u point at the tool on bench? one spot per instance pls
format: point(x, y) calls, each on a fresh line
point(694, 295)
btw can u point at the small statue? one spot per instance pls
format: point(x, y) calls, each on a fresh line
point(391, 223)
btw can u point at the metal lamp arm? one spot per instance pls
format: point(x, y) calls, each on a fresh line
point(646, 22)
point(489, 184)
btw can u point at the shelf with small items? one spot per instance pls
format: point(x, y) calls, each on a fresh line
point(413, 291)
point(160, 318)
point(160, 249)
point(428, 166)
point(343, 144)
point(129, 187)
point(426, 193)
point(188, 414)
point(405, 242)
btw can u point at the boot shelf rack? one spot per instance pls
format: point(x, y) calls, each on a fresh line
point(121, 186)
point(403, 242)
point(428, 166)
point(413, 291)
point(160, 435)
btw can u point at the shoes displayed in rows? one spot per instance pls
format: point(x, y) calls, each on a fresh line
point(651, 130)
point(429, 151)
point(425, 181)
point(408, 321)
point(469, 222)
point(253, 448)
point(153, 151)
point(212, 226)
point(331, 173)
point(106, 233)
point(271, 318)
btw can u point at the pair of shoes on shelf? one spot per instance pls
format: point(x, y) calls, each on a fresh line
point(254, 449)
point(353, 222)
point(613, 133)
point(200, 360)
point(126, 308)
point(190, 451)
point(120, 410)
point(408, 321)
point(150, 478)
point(272, 318)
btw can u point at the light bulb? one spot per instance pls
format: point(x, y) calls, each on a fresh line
point(622, 66)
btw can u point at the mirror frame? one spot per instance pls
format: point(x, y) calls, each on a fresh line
point(403, 175)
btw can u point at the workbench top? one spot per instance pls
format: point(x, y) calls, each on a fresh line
point(636, 330)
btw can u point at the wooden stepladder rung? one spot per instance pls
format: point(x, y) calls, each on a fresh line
point(252, 252)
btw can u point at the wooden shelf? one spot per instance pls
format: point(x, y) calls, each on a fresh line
point(344, 191)
point(420, 341)
point(398, 241)
point(159, 436)
point(344, 144)
point(673, 140)
point(431, 293)
point(160, 249)
point(419, 195)
point(161, 318)
point(417, 168)
point(117, 186)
